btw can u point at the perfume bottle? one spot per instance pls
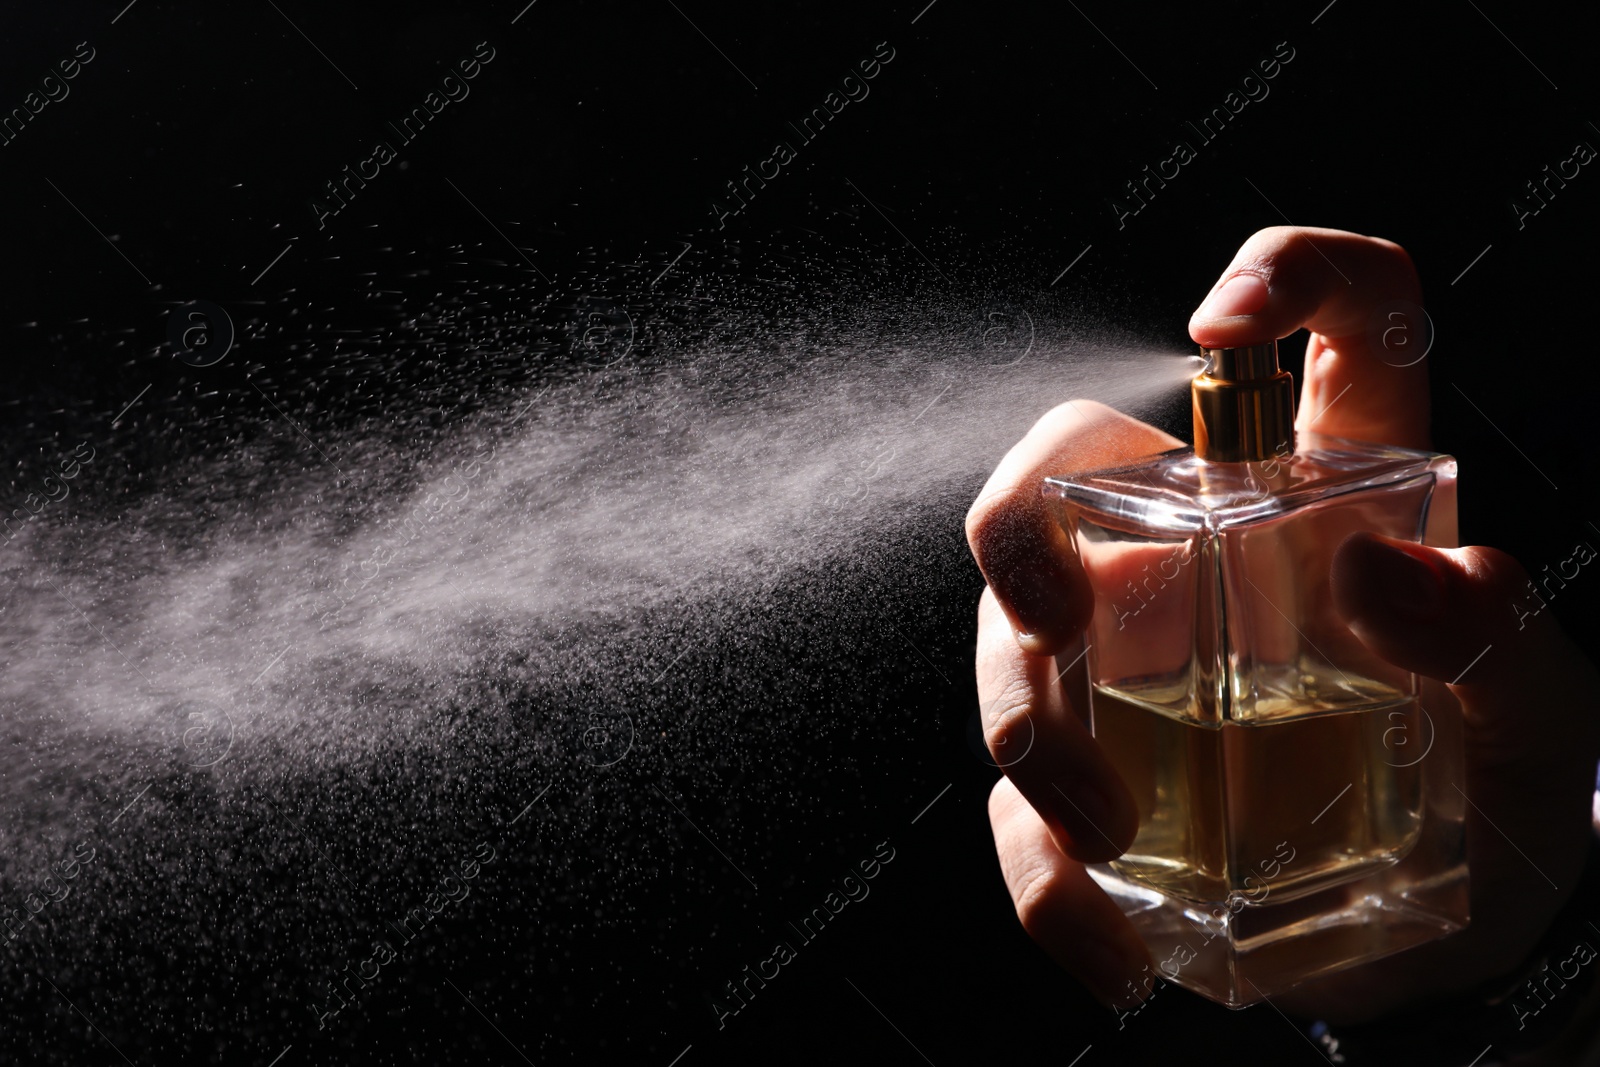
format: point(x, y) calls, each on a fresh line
point(1299, 809)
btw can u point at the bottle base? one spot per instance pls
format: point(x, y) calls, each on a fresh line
point(1238, 952)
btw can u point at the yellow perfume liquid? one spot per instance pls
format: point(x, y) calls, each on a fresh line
point(1276, 810)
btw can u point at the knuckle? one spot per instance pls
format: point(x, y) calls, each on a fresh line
point(983, 517)
point(1399, 270)
point(1070, 417)
point(1265, 248)
point(1033, 885)
point(1002, 797)
point(1010, 504)
point(1393, 249)
point(1271, 235)
point(990, 615)
point(1298, 244)
point(1002, 527)
point(1072, 411)
point(1008, 727)
point(1493, 569)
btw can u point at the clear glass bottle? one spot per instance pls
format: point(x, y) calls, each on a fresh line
point(1298, 805)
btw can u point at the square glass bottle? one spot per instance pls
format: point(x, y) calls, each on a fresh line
point(1298, 809)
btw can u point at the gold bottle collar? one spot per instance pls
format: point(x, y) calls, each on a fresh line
point(1243, 405)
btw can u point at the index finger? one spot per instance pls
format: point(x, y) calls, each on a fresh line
point(1337, 285)
point(1018, 544)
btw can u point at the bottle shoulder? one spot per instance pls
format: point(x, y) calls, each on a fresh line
point(1176, 490)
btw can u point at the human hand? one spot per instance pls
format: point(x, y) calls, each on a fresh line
point(1530, 727)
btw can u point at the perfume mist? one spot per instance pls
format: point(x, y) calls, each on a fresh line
point(1297, 804)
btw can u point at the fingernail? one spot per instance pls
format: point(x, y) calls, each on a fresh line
point(1411, 586)
point(1242, 294)
point(1038, 596)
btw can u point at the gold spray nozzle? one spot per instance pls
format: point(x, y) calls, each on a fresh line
point(1243, 405)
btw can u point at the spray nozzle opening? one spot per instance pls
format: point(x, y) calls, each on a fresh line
point(1246, 363)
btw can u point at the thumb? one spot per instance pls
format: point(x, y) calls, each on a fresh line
point(1470, 617)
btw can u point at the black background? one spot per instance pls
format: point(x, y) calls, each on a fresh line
point(597, 140)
